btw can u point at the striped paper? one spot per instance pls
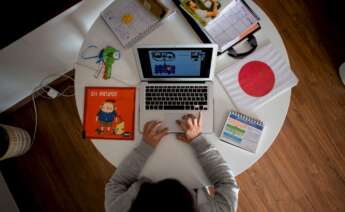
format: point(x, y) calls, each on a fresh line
point(285, 79)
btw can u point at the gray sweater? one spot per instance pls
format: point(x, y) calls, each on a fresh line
point(124, 185)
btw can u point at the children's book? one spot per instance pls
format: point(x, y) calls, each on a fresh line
point(109, 113)
point(204, 11)
point(226, 24)
point(242, 131)
point(257, 79)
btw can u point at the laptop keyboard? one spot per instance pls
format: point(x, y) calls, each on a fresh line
point(176, 97)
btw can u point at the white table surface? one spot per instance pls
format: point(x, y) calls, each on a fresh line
point(173, 159)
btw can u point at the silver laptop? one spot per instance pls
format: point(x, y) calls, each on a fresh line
point(176, 80)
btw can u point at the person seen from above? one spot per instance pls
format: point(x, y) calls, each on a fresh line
point(127, 192)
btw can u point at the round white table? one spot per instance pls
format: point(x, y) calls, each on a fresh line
point(173, 159)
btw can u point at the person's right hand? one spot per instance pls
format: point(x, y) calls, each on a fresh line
point(191, 127)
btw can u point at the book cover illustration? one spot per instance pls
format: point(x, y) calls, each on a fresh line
point(109, 113)
point(204, 11)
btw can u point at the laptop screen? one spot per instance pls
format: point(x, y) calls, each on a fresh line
point(175, 62)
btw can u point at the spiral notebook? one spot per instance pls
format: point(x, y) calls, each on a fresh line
point(234, 22)
point(131, 20)
point(242, 131)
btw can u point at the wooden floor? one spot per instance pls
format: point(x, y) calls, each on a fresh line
point(304, 170)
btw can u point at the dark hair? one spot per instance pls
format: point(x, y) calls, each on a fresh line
point(167, 195)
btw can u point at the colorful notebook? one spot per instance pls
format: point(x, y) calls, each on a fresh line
point(242, 131)
point(258, 78)
point(109, 112)
point(233, 22)
point(204, 11)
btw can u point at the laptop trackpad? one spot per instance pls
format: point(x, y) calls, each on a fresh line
point(170, 121)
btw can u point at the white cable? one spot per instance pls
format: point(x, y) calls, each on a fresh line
point(43, 85)
point(36, 121)
point(55, 74)
point(40, 90)
point(64, 92)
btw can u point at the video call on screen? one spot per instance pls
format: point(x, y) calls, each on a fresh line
point(169, 63)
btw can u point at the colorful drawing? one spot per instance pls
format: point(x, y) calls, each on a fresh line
point(127, 19)
point(164, 57)
point(168, 69)
point(203, 11)
point(108, 60)
point(109, 113)
point(106, 116)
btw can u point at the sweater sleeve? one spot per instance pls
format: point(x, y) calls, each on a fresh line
point(220, 175)
point(123, 187)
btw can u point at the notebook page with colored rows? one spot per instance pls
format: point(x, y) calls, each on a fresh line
point(242, 131)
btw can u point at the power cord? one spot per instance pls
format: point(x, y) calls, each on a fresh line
point(50, 94)
point(35, 110)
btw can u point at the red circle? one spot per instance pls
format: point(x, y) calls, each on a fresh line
point(256, 78)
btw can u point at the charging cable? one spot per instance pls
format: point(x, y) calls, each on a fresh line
point(50, 94)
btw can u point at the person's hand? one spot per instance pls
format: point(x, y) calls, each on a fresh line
point(154, 132)
point(191, 127)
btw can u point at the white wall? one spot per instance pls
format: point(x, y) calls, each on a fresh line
point(51, 48)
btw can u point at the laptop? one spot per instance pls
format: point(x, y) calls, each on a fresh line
point(176, 80)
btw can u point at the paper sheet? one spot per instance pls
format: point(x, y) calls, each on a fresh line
point(226, 29)
point(129, 20)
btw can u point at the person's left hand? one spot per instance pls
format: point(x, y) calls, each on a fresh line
point(154, 132)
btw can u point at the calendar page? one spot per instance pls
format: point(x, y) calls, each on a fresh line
point(129, 20)
point(236, 22)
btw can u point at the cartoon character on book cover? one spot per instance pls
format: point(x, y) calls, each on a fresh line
point(106, 116)
point(109, 113)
